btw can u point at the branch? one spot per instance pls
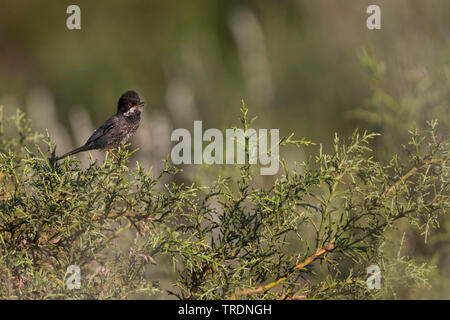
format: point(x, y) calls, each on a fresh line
point(263, 289)
point(409, 174)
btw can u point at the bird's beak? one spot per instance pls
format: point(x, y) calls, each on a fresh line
point(141, 104)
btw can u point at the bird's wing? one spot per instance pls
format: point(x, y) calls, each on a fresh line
point(104, 128)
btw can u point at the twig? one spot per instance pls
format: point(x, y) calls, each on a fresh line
point(408, 174)
point(267, 287)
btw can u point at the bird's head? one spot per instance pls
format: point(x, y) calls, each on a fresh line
point(129, 101)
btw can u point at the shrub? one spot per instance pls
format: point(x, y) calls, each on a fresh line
point(311, 234)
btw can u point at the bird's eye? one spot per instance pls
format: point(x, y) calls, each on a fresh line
point(129, 104)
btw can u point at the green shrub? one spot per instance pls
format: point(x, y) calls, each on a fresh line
point(311, 234)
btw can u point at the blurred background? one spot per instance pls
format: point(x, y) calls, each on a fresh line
point(309, 67)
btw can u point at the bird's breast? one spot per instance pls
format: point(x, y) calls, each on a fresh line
point(129, 125)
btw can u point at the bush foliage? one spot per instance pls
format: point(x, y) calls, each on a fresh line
point(310, 234)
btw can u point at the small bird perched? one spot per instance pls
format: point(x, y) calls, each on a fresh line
point(118, 129)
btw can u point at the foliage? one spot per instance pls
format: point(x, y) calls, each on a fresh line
point(311, 234)
point(393, 114)
point(392, 110)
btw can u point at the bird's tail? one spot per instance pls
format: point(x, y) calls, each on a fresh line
point(77, 150)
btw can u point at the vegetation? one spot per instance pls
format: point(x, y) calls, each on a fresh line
point(311, 234)
point(210, 231)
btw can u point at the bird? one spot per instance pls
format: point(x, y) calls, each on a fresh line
point(118, 129)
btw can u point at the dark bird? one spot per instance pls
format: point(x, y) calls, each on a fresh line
point(118, 129)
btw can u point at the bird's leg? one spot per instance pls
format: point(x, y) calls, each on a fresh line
point(111, 153)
